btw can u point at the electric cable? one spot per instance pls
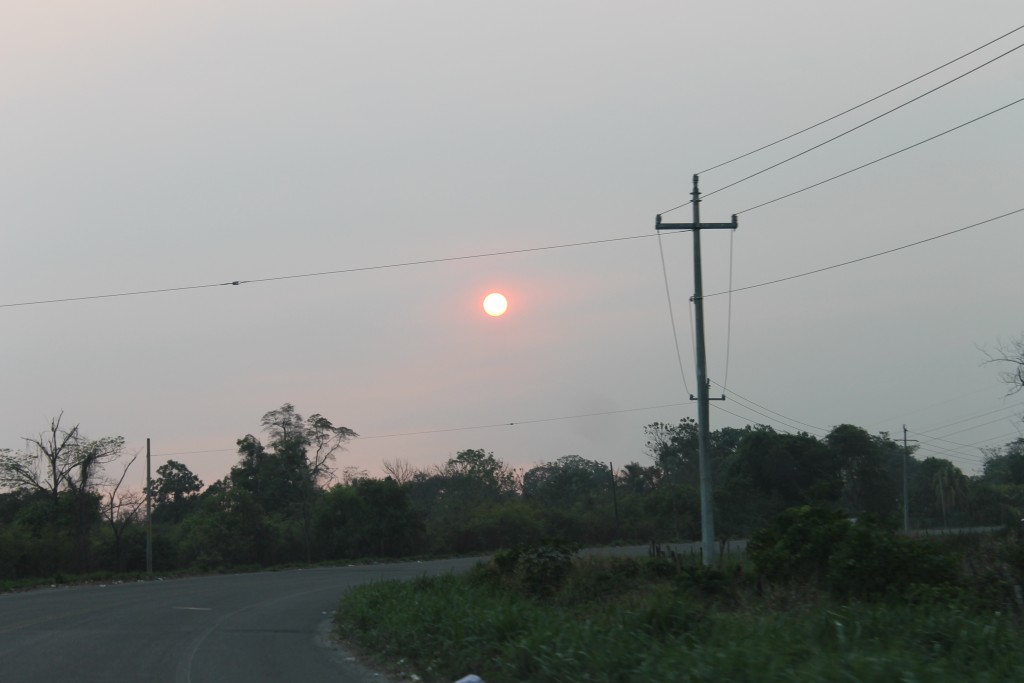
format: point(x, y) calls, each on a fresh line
point(902, 416)
point(977, 426)
point(865, 258)
point(330, 272)
point(1016, 406)
point(766, 416)
point(883, 158)
point(865, 102)
point(857, 127)
point(931, 439)
point(672, 316)
point(215, 450)
point(728, 324)
point(470, 428)
point(774, 412)
point(747, 419)
point(525, 422)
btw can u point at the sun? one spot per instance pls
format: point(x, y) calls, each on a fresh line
point(495, 304)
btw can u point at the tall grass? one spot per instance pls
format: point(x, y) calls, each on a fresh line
point(630, 620)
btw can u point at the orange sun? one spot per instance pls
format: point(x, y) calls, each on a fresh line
point(495, 304)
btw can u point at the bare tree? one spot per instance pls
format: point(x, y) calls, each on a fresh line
point(58, 460)
point(62, 462)
point(351, 474)
point(400, 470)
point(326, 441)
point(46, 464)
point(1010, 354)
point(121, 509)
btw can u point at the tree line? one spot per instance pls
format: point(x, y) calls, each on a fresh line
point(284, 501)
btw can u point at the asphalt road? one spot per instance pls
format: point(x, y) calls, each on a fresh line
point(267, 626)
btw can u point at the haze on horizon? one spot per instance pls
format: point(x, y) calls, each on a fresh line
point(152, 147)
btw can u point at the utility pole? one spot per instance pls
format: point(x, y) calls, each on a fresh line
point(615, 499)
point(906, 498)
point(149, 513)
point(707, 522)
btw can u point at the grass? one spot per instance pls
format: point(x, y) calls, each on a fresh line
point(639, 620)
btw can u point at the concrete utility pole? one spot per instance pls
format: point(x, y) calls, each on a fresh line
point(707, 522)
point(615, 498)
point(906, 498)
point(149, 514)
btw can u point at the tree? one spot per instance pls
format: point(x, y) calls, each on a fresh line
point(458, 492)
point(567, 482)
point(950, 487)
point(674, 449)
point(285, 476)
point(327, 441)
point(175, 483)
point(390, 526)
point(400, 470)
point(1010, 356)
point(636, 479)
point(229, 529)
point(175, 490)
point(121, 509)
point(1005, 465)
point(866, 484)
point(64, 466)
point(479, 475)
point(58, 460)
point(789, 469)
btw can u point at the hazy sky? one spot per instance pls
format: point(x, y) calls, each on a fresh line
point(153, 145)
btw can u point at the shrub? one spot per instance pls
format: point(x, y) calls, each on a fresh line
point(539, 568)
point(798, 544)
point(871, 561)
point(852, 559)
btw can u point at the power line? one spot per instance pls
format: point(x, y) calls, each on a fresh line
point(865, 258)
point(735, 394)
point(857, 127)
point(865, 102)
point(964, 459)
point(215, 450)
point(748, 420)
point(883, 158)
point(766, 416)
point(525, 422)
point(927, 438)
point(929, 406)
point(331, 272)
point(728, 325)
point(672, 316)
point(977, 426)
point(974, 417)
point(476, 256)
point(930, 447)
point(932, 439)
point(118, 294)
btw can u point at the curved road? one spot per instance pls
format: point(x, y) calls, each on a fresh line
point(268, 626)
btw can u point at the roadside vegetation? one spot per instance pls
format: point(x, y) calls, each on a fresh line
point(69, 508)
point(814, 598)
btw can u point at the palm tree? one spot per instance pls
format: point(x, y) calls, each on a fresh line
point(950, 488)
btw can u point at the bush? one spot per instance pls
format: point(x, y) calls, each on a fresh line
point(798, 544)
point(852, 559)
point(871, 561)
point(539, 568)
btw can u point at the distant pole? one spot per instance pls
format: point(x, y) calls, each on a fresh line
point(149, 512)
point(906, 498)
point(707, 522)
point(615, 499)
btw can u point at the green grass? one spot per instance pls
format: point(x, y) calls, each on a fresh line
point(632, 620)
